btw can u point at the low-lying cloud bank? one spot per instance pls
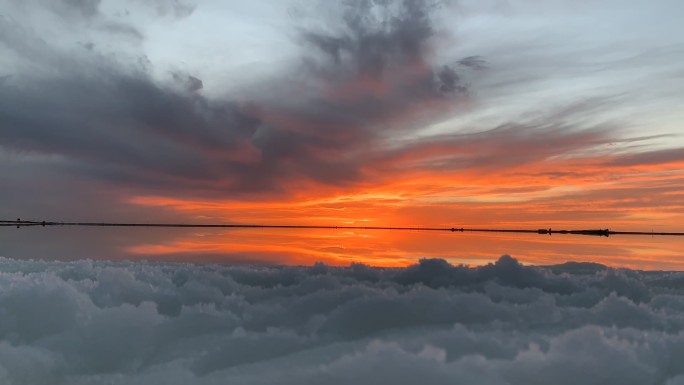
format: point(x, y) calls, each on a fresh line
point(93, 322)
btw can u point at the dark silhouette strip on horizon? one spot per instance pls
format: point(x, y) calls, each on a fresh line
point(596, 232)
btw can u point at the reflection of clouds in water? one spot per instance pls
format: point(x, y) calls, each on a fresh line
point(336, 247)
point(401, 248)
point(133, 323)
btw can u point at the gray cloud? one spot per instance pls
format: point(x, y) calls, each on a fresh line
point(369, 80)
point(117, 124)
point(87, 8)
point(377, 35)
point(176, 8)
point(521, 144)
point(502, 323)
point(662, 156)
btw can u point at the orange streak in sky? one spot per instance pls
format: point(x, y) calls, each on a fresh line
point(561, 193)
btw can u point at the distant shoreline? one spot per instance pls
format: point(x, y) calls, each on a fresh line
point(544, 231)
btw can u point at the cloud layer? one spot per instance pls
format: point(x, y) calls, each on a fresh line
point(111, 120)
point(356, 109)
point(504, 323)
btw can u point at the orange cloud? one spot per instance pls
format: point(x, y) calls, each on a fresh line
point(587, 192)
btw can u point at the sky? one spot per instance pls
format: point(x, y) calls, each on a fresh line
point(510, 114)
point(455, 113)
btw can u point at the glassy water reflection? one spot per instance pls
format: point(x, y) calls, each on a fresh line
point(338, 247)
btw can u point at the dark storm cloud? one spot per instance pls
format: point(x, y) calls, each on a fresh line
point(367, 79)
point(371, 41)
point(119, 125)
point(431, 323)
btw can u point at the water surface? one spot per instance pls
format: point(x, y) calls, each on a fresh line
point(338, 247)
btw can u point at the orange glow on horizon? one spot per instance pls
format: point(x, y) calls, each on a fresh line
point(621, 200)
point(402, 248)
point(560, 193)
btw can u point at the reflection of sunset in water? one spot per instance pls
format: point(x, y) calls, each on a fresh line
point(535, 197)
point(401, 248)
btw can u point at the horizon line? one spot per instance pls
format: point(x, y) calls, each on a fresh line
point(543, 231)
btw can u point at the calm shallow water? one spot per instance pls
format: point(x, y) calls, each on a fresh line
point(339, 247)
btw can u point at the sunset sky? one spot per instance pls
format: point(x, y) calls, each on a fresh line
point(476, 113)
